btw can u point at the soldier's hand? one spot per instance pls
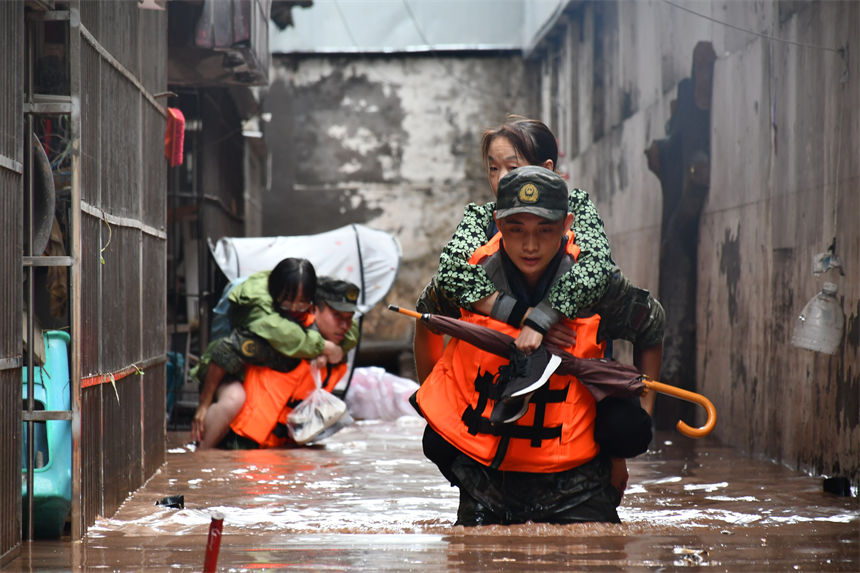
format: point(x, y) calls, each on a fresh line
point(618, 475)
point(560, 335)
point(528, 340)
point(198, 424)
point(333, 353)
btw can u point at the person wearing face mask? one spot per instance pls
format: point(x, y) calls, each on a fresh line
point(272, 395)
point(269, 315)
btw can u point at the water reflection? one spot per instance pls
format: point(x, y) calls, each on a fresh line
point(368, 499)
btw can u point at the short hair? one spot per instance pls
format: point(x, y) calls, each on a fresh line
point(530, 137)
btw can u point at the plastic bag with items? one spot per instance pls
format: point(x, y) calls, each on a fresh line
point(379, 395)
point(317, 413)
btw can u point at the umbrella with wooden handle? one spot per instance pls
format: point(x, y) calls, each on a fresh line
point(602, 377)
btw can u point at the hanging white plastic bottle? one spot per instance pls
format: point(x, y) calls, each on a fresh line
point(819, 326)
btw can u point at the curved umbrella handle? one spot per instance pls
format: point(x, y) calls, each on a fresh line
point(690, 397)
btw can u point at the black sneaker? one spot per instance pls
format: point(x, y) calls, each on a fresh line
point(510, 410)
point(528, 372)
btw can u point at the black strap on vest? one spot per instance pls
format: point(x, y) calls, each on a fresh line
point(488, 387)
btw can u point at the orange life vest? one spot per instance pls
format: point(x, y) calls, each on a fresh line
point(270, 396)
point(557, 431)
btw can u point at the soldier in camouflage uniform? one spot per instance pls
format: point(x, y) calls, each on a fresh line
point(269, 315)
point(593, 285)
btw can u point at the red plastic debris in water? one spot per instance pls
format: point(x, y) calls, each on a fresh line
point(213, 544)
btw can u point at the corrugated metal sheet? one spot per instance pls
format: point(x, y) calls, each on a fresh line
point(10, 463)
point(90, 303)
point(124, 243)
point(121, 442)
point(115, 24)
point(91, 100)
point(153, 302)
point(120, 145)
point(153, 24)
point(153, 438)
point(11, 146)
point(120, 302)
point(92, 476)
point(122, 288)
point(153, 205)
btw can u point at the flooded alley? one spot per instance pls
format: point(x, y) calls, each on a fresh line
point(683, 169)
point(367, 500)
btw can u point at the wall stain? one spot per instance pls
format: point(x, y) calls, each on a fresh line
point(848, 398)
point(347, 120)
point(852, 329)
point(730, 266)
point(782, 301)
point(628, 105)
point(739, 369)
point(623, 179)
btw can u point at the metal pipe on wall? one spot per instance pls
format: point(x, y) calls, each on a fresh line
point(30, 295)
point(75, 268)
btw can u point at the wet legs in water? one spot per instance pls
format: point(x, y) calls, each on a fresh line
point(471, 512)
point(230, 397)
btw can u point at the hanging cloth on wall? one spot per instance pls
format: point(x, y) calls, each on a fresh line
point(174, 136)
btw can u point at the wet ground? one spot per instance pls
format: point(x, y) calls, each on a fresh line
point(368, 500)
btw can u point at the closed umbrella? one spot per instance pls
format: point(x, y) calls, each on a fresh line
point(602, 377)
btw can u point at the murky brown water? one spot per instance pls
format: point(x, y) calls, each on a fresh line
point(368, 500)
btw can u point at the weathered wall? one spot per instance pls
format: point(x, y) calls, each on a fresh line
point(784, 172)
point(12, 159)
point(123, 291)
point(785, 135)
point(390, 142)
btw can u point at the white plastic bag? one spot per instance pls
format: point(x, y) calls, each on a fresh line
point(319, 411)
point(375, 394)
point(343, 422)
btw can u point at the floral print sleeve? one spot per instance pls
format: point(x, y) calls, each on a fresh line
point(456, 277)
point(577, 289)
point(585, 283)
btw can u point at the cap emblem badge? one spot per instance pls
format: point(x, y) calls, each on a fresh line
point(352, 295)
point(529, 193)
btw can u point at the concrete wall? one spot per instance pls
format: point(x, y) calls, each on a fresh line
point(387, 141)
point(784, 182)
point(785, 134)
point(392, 141)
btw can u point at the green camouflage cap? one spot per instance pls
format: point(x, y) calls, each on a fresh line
point(535, 190)
point(338, 294)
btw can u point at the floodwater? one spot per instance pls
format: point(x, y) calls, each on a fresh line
point(368, 500)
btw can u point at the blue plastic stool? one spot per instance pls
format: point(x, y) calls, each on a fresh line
point(52, 441)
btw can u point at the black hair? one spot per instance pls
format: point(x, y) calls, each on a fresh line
point(291, 276)
point(530, 137)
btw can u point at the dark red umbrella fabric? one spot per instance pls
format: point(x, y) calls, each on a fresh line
point(602, 377)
